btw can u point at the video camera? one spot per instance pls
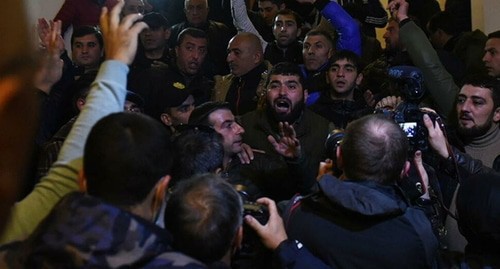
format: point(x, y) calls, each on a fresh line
point(408, 114)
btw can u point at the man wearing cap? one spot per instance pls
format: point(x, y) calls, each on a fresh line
point(154, 52)
point(177, 108)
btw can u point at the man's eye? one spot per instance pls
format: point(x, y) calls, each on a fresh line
point(461, 100)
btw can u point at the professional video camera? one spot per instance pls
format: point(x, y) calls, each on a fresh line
point(408, 114)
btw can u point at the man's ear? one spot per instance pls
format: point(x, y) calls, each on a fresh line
point(160, 191)
point(238, 239)
point(166, 119)
point(496, 115)
point(359, 79)
point(406, 170)
point(167, 33)
point(82, 181)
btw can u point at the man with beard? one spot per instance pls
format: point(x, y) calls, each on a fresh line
point(286, 106)
point(266, 173)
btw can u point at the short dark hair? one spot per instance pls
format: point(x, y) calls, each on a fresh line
point(445, 21)
point(204, 214)
point(285, 68)
point(192, 32)
point(295, 15)
point(201, 113)
point(88, 30)
point(374, 148)
point(198, 150)
point(326, 34)
point(275, 2)
point(125, 155)
point(487, 82)
point(350, 56)
point(495, 34)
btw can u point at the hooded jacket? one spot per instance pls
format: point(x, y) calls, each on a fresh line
point(361, 224)
point(84, 232)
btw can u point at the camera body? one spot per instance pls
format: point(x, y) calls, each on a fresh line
point(408, 114)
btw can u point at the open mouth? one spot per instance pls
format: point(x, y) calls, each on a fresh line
point(282, 105)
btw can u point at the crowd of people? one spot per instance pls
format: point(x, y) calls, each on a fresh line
point(280, 135)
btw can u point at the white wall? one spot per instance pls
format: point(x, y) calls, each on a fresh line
point(485, 15)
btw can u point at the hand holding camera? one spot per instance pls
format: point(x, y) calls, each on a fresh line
point(273, 232)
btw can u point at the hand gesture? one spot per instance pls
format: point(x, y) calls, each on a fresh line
point(50, 36)
point(120, 37)
point(273, 232)
point(51, 65)
point(288, 145)
point(398, 9)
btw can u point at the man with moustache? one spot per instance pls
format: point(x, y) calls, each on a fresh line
point(285, 105)
point(264, 173)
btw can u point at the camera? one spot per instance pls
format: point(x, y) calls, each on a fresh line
point(331, 144)
point(408, 114)
point(251, 245)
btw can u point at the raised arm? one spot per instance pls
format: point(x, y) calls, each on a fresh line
point(242, 22)
point(349, 34)
point(107, 96)
point(438, 81)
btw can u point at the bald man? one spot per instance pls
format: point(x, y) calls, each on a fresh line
point(246, 62)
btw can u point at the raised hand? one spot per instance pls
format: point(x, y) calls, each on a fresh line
point(51, 65)
point(288, 145)
point(120, 37)
point(398, 9)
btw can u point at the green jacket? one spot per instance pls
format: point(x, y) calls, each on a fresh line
point(438, 81)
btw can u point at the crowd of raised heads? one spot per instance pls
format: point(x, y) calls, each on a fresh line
point(251, 134)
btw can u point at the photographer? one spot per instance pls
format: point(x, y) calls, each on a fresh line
point(364, 219)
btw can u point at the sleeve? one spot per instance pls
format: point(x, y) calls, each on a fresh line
point(374, 14)
point(107, 96)
point(292, 254)
point(349, 34)
point(242, 22)
point(438, 81)
point(67, 14)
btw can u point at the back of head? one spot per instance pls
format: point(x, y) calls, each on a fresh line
point(198, 150)
point(125, 155)
point(204, 214)
point(445, 21)
point(88, 30)
point(374, 148)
